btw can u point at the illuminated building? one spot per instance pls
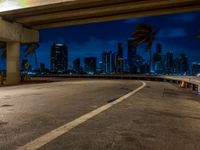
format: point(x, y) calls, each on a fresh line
point(195, 68)
point(59, 58)
point(119, 61)
point(169, 63)
point(90, 65)
point(76, 65)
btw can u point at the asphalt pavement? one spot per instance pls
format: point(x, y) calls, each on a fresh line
point(160, 116)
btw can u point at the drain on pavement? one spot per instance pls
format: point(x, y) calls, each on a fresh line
point(112, 100)
point(3, 123)
point(126, 89)
point(6, 105)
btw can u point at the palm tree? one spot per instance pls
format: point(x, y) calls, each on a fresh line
point(145, 34)
point(31, 50)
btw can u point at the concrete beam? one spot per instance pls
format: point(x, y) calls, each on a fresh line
point(110, 10)
point(74, 12)
point(97, 19)
point(16, 32)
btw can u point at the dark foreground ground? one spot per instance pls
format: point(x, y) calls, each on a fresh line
point(161, 116)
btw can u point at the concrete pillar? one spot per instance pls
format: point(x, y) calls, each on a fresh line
point(13, 63)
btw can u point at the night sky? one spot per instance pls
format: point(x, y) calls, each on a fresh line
point(177, 34)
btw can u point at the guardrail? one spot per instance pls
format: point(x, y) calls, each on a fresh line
point(183, 81)
point(187, 82)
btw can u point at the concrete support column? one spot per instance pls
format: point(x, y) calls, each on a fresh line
point(13, 63)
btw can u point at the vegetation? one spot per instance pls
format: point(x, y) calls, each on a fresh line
point(31, 50)
point(145, 34)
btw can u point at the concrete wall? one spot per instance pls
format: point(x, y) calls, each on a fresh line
point(16, 32)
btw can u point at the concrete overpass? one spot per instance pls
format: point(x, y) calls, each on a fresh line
point(20, 25)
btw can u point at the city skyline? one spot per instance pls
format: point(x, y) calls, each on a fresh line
point(115, 63)
point(177, 34)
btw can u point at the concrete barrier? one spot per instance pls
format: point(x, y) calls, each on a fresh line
point(182, 81)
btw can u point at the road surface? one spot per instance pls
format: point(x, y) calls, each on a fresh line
point(160, 116)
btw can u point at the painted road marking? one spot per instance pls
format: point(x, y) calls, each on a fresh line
point(46, 138)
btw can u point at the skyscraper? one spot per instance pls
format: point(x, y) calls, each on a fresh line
point(180, 65)
point(126, 65)
point(113, 62)
point(106, 62)
point(176, 66)
point(184, 66)
point(159, 48)
point(77, 65)
point(119, 61)
point(59, 58)
point(132, 51)
point(169, 63)
point(195, 68)
point(90, 65)
point(42, 67)
point(144, 68)
point(135, 61)
point(158, 65)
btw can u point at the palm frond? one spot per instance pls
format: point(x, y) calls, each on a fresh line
point(31, 48)
point(149, 43)
point(144, 34)
point(138, 41)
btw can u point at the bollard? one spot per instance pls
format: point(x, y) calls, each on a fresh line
point(187, 85)
point(183, 84)
point(198, 89)
point(193, 87)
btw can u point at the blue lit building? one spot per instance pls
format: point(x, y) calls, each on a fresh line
point(90, 65)
point(195, 68)
point(59, 58)
point(135, 61)
point(169, 63)
point(77, 65)
point(108, 62)
point(119, 61)
point(158, 65)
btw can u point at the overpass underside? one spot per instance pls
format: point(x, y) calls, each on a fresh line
point(21, 25)
point(75, 12)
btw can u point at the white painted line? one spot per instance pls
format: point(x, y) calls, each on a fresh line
point(46, 138)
